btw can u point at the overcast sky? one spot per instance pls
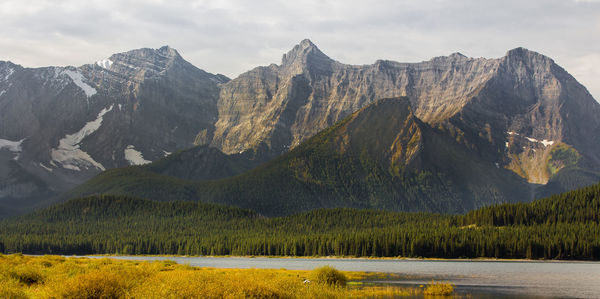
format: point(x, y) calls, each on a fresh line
point(233, 36)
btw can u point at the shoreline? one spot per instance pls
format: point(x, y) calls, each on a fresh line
point(343, 258)
point(469, 278)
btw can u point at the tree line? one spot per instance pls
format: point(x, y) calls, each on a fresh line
point(565, 226)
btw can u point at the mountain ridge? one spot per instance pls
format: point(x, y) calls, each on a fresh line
point(431, 111)
point(518, 112)
point(73, 122)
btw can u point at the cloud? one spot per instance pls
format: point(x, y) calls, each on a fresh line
point(588, 73)
point(232, 36)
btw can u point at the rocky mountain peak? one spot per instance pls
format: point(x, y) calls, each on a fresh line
point(457, 56)
point(6, 69)
point(305, 54)
point(519, 52)
point(527, 57)
point(6, 64)
point(452, 58)
point(164, 52)
point(168, 52)
point(145, 61)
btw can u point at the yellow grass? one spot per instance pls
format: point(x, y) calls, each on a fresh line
point(439, 289)
point(59, 277)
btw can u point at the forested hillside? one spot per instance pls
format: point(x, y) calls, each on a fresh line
point(565, 226)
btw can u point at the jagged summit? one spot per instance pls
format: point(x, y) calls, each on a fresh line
point(305, 53)
point(457, 55)
point(4, 64)
point(145, 62)
point(168, 51)
point(142, 58)
point(525, 54)
point(160, 58)
point(7, 68)
point(164, 51)
point(518, 51)
point(142, 63)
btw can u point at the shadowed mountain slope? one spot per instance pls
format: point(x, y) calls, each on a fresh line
point(380, 157)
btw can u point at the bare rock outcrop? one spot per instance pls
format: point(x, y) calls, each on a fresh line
point(481, 101)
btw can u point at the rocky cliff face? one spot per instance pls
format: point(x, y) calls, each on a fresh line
point(530, 109)
point(514, 110)
point(61, 125)
point(284, 104)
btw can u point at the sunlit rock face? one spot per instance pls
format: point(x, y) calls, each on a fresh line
point(478, 100)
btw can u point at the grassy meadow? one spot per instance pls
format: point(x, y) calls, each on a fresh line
point(67, 277)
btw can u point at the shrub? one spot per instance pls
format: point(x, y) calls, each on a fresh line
point(11, 289)
point(439, 289)
point(26, 275)
point(329, 275)
point(383, 292)
point(46, 264)
point(94, 284)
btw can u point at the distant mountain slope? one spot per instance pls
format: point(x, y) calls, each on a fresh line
point(61, 125)
point(380, 157)
point(204, 163)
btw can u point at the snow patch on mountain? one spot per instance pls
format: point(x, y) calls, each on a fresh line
point(134, 157)
point(12, 146)
point(2, 92)
point(545, 142)
point(46, 167)
point(77, 78)
point(104, 63)
point(68, 153)
point(9, 73)
point(531, 139)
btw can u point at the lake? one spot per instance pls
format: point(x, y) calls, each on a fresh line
point(481, 279)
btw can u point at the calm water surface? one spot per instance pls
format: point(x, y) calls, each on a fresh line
point(481, 279)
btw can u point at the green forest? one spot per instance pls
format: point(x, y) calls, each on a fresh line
point(565, 226)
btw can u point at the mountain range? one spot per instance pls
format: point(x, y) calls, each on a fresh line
point(449, 134)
